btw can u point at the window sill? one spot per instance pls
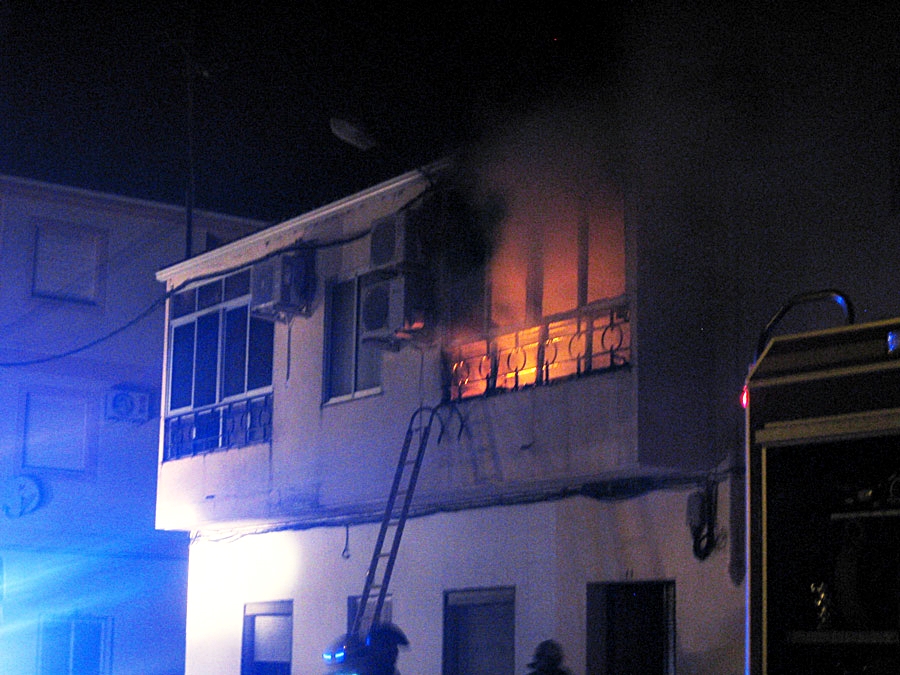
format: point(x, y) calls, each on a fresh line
point(355, 396)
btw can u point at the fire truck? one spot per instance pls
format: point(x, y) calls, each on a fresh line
point(823, 477)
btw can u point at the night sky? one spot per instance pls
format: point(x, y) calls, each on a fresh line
point(95, 95)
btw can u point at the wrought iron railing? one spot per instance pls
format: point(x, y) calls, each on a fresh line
point(220, 427)
point(595, 338)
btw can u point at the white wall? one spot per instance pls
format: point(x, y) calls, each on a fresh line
point(548, 551)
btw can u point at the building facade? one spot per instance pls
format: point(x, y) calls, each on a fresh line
point(664, 222)
point(484, 314)
point(87, 584)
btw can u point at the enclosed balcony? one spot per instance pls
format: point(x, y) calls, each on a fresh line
point(221, 427)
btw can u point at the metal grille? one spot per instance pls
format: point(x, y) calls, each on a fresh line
point(220, 427)
point(596, 338)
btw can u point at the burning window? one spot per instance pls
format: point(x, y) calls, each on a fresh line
point(557, 252)
point(555, 293)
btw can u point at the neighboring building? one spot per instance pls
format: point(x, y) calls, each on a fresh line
point(87, 585)
point(535, 515)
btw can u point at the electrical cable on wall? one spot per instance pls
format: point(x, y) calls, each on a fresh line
point(345, 554)
point(194, 280)
point(160, 301)
point(53, 357)
point(702, 511)
point(121, 260)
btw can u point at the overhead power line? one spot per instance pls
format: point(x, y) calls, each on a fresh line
point(53, 357)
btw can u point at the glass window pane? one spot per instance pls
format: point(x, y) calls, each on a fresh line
point(183, 303)
point(86, 647)
point(237, 285)
point(234, 356)
point(341, 339)
point(606, 277)
point(207, 359)
point(368, 366)
point(68, 262)
point(262, 339)
point(182, 366)
point(507, 274)
point(559, 259)
point(57, 431)
point(272, 638)
point(209, 295)
point(55, 646)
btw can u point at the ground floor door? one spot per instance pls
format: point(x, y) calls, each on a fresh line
point(631, 628)
point(479, 632)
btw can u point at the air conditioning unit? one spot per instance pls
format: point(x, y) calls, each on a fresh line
point(393, 243)
point(284, 285)
point(126, 405)
point(392, 306)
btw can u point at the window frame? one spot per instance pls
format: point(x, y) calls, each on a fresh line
point(221, 310)
point(55, 272)
point(104, 626)
point(329, 372)
point(252, 611)
point(70, 448)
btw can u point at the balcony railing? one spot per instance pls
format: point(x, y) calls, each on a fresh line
point(220, 427)
point(595, 338)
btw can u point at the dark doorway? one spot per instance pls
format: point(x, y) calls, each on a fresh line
point(631, 628)
point(479, 631)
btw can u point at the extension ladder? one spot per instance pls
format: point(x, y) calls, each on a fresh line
point(396, 511)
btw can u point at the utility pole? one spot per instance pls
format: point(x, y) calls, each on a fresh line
point(190, 72)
